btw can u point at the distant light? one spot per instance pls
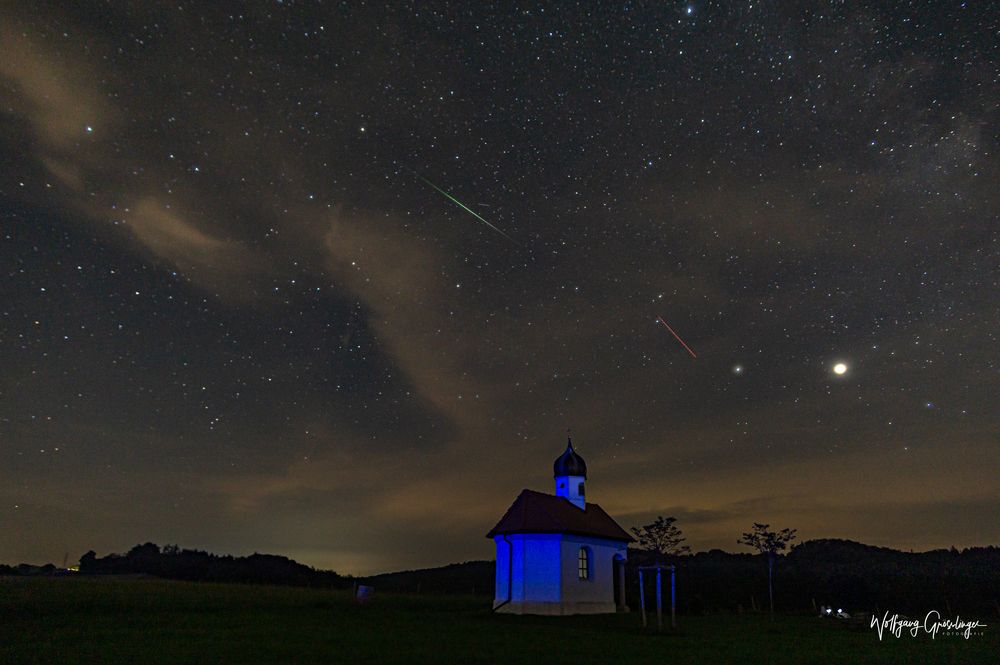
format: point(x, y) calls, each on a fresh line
point(90, 129)
point(689, 10)
point(737, 369)
point(839, 369)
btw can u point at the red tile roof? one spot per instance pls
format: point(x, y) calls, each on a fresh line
point(535, 512)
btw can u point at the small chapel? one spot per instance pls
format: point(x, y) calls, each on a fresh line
point(558, 553)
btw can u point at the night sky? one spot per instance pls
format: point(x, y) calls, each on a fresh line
point(240, 314)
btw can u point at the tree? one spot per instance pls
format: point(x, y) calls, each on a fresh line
point(770, 543)
point(88, 562)
point(662, 537)
point(147, 551)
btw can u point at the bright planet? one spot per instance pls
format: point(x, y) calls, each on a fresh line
point(839, 368)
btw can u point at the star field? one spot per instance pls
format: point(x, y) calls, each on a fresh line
point(238, 315)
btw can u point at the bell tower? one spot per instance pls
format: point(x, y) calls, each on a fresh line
point(570, 472)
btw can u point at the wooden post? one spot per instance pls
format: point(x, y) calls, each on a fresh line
point(673, 598)
point(642, 599)
point(659, 601)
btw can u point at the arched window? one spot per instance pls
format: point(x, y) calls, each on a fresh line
point(584, 563)
point(579, 489)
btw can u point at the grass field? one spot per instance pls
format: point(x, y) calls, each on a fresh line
point(66, 621)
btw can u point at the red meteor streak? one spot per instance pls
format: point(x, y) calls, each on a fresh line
point(660, 319)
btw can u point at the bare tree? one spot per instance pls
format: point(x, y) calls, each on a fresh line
point(662, 537)
point(768, 542)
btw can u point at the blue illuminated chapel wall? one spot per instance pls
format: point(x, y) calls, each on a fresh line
point(536, 574)
point(545, 568)
point(502, 574)
point(599, 585)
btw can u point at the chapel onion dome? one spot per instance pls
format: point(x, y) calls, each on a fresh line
point(569, 463)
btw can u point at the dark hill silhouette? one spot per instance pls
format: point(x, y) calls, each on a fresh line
point(842, 573)
point(834, 572)
point(28, 570)
point(175, 563)
point(470, 577)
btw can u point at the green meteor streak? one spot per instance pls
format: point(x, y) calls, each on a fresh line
point(464, 207)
